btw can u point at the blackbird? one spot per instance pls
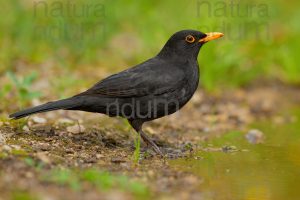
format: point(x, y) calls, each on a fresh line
point(155, 88)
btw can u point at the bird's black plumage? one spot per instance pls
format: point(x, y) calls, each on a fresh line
point(150, 90)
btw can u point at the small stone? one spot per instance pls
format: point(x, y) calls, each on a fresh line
point(206, 129)
point(229, 149)
point(16, 147)
point(126, 166)
point(43, 157)
point(70, 151)
point(25, 129)
point(2, 139)
point(44, 147)
point(198, 158)
point(38, 120)
point(190, 180)
point(90, 160)
point(98, 156)
point(6, 148)
point(255, 136)
point(278, 120)
point(117, 160)
point(76, 129)
point(36, 102)
point(151, 173)
point(65, 121)
point(150, 130)
point(49, 139)
point(29, 175)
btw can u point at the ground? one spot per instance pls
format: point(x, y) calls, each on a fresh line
point(76, 155)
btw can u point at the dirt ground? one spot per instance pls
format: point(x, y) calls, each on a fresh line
point(68, 155)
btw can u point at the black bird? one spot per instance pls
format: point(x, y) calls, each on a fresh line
point(157, 87)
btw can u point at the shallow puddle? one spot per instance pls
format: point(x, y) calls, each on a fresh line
point(270, 170)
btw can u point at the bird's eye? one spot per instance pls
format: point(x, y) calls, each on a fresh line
point(190, 39)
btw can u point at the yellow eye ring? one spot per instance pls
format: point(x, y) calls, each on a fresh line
point(190, 39)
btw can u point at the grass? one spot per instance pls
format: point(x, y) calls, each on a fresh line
point(22, 195)
point(16, 124)
point(137, 140)
point(137, 151)
point(257, 44)
point(103, 181)
point(41, 41)
point(23, 86)
point(77, 179)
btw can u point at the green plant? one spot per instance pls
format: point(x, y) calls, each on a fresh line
point(103, 181)
point(227, 62)
point(100, 179)
point(137, 151)
point(33, 163)
point(4, 90)
point(64, 177)
point(22, 195)
point(23, 86)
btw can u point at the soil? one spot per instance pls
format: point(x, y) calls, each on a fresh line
point(32, 148)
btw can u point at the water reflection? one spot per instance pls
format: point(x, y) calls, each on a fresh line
point(266, 171)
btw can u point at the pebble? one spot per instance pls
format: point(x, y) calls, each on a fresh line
point(29, 175)
point(2, 139)
point(65, 121)
point(117, 160)
point(43, 147)
point(151, 173)
point(43, 157)
point(90, 160)
point(25, 129)
point(6, 148)
point(198, 158)
point(49, 139)
point(255, 136)
point(150, 130)
point(38, 120)
point(229, 149)
point(16, 147)
point(190, 180)
point(70, 151)
point(98, 156)
point(76, 129)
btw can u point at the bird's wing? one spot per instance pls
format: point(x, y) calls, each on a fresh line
point(149, 78)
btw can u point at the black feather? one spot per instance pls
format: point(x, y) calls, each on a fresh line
point(56, 105)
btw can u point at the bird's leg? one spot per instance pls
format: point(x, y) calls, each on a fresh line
point(137, 125)
point(148, 141)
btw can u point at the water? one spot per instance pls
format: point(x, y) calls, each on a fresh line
point(266, 171)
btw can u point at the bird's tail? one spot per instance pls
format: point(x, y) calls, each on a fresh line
point(56, 105)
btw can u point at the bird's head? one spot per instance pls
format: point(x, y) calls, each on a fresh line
point(187, 43)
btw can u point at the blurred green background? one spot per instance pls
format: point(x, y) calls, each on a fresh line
point(52, 49)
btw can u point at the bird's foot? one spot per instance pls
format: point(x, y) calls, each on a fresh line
point(148, 141)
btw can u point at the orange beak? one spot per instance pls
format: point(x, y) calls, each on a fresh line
point(211, 36)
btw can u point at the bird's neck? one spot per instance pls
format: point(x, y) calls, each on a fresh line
point(175, 55)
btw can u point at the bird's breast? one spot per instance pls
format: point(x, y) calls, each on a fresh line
point(192, 81)
point(187, 88)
